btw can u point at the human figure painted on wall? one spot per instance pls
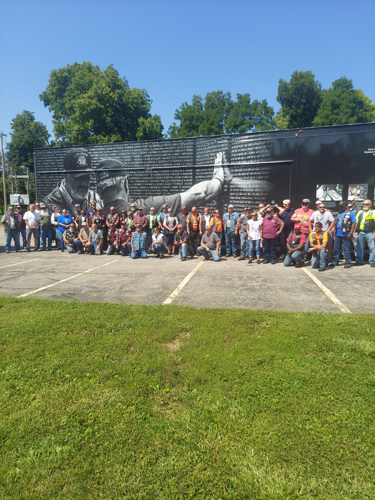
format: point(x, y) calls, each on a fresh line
point(75, 187)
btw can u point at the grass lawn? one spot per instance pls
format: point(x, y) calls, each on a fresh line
point(119, 401)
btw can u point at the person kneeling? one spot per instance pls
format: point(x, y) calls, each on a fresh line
point(157, 245)
point(210, 245)
point(318, 245)
point(95, 242)
point(139, 243)
point(123, 238)
point(295, 244)
point(70, 238)
point(181, 242)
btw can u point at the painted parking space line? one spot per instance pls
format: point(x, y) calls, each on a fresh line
point(327, 292)
point(19, 263)
point(174, 294)
point(66, 279)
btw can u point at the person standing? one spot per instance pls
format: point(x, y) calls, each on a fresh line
point(152, 223)
point(217, 224)
point(270, 229)
point(230, 222)
point(130, 222)
point(163, 214)
point(91, 212)
point(63, 222)
point(45, 228)
point(182, 217)
point(141, 219)
point(345, 228)
point(22, 225)
point(366, 233)
point(295, 244)
point(181, 242)
point(12, 230)
point(32, 221)
point(193, 222)
point(170, 226)
point(210, 244)
point(139, 243)
point(285, 214)
point(317, 248)
point(254, 235)
point(241, 229)
point(54, 225)
point(204, 221)
point(302, 216)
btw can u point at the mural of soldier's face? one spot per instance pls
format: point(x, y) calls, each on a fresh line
point(78, 185)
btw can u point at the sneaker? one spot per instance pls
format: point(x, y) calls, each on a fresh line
point(360, 264)
point(372, 265)
point(7, 251)
point(273, 261)
point(321, 269)
point(241, 258)
point(36, 249)
point(266, 262)
point(347, 266)
point(28, 249)
point(183, 258)
point(258, 261)
point(162, 256)
point(250, 261)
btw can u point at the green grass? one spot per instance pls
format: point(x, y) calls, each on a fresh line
point(119, 401)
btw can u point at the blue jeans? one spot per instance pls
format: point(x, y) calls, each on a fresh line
point(159, 249)
point(23, 234)
point(269, 248)
point(111, 248)
point(72, 249)
point(363, 238)
point(169, 239)
point(307, 243)
point(126, 250)
point(220, 236)
point(339, 242)
point(254, 246)
point(59, 236)
point(183, 251)
point(150, 232)
point(204, 252)
point(244, 243)
point(319, 259)
point(139, 253)
point(46, 235)
point(94, 249)
point(230, 239)
point(296, 256)
point(15, 235)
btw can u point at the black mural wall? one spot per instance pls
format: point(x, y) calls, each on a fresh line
point(242, 169)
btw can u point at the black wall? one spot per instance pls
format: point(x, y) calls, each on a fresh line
point(264, 165)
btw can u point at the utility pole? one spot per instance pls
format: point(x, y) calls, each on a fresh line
point(3, 164)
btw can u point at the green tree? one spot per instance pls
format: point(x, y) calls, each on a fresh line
point(149, 129)
point(91, 106)
point(219, 114)
point(27, 135)
point(299, 99)
point(344, 104)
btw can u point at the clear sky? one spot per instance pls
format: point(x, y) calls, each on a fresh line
point(175, 49)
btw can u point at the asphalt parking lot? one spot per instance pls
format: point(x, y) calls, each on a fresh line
point(198, 283)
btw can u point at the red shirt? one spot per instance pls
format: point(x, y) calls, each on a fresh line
point(304, 215)
point(141, 220)
point(270, 227)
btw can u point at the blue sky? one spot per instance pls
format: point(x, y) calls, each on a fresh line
point(175, 49)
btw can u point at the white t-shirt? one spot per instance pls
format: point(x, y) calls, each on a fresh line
point(31, 217)
point(157, 238)
point(254, 228)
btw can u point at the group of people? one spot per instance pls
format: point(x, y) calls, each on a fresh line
point(253, 234)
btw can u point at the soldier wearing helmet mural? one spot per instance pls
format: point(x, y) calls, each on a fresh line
point(75, 187)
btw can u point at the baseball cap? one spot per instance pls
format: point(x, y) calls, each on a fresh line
point(230, 206)
point(77, 205)
point(139, 225)
point(77, 159)
point(318, 202)
point(318, 224)
point(306, 200)
point(72, 224)
point(298, 226)
point(84, 224)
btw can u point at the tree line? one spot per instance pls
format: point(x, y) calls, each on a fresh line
point(90, 106)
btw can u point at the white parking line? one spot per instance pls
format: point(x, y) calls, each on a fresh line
point(174, 294)
point(66, 279)
point(328, 292)
point(18, 263)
